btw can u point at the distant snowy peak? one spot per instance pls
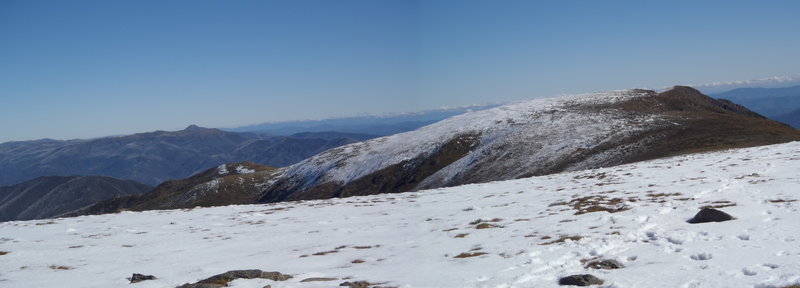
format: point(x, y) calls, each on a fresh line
point(535, 137)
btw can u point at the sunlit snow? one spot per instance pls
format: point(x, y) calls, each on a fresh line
point(411, 239)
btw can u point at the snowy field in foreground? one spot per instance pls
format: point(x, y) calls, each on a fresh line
point(410, 239)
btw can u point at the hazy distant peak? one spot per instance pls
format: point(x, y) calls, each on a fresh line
point(195, 128)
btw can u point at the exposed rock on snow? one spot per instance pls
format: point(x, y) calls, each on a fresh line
point(580, 280)
point(605, 264)
point(710, 215)
point(222, 280)
point(141, 277)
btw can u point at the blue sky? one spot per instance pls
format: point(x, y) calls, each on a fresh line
point(78, 69)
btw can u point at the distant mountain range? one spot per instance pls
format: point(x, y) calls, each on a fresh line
point(155, 157)
point(370, 125)
point(536, 137)
point(781, 104)
point(50, 196)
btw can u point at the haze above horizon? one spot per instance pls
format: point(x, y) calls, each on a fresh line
point(83, 69)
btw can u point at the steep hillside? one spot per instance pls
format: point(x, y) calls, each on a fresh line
point(226, 184)
point(51, 196)
point(536, 137)
point(159, 156)
point(626, 225)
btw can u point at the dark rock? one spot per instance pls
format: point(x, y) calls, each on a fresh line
point(202, 285)
point(580, 280)
point(275, 276)
point(222, 280)
point(356, 284)
point(710, 215)
point(141, 277)
point(605, 264)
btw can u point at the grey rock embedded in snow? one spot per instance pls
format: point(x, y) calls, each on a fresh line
point(605, 264)
point(221, 280)
point(355, 284)
point(710, 215)
point(136, 277)
point(580, 280)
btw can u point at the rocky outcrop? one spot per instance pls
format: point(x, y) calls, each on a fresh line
point(580, 280)
point(710, 215)
point(235, 183)
point(222, 280)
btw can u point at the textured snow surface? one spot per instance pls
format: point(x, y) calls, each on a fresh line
point(410, 239)
point(222, 169)
point(544, 123)
point(244, 170)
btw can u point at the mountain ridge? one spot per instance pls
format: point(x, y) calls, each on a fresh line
point(531, 138)
point(158, 156)
point(536, 137)
point(50, 196)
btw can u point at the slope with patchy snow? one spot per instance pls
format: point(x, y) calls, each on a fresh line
point(536, 230)
point(535, 137)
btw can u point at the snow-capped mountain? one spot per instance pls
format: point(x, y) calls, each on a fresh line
point(519, 233)
point(535, 137)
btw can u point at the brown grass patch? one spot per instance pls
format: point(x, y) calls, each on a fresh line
point(782, 200)
point(562, 239)
point(487, 226)
point(325, 253)
point(4, 253)
point(718, 204)
point(469, 254)
point(45, 223)
point(462, 235)
point(592, 204)
point(357, 261)
point(60, 267)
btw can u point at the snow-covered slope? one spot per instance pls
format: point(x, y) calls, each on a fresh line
point(535, 137)
point(537, 230)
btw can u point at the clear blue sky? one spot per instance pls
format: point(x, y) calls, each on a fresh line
point(78, 69)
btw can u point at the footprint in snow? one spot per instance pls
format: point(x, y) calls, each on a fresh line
point(701, 256)
point(749, 271)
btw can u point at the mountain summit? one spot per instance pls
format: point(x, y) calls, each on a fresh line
point(530, 138)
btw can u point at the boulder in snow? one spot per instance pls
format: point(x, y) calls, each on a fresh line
point(710, 215)
point(580, 280)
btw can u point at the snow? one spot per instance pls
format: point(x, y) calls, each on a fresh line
point(244, 170)
point(222, 169)
point(410, 239)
